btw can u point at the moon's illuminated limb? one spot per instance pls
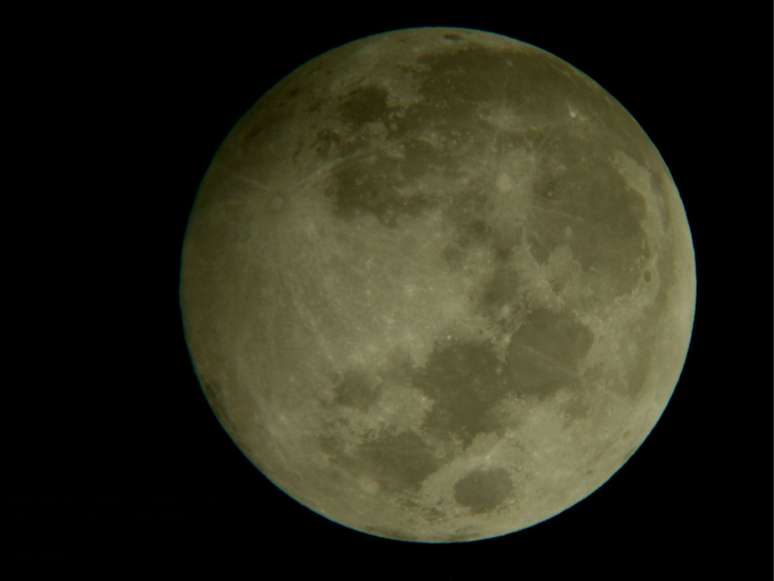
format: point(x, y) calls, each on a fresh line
point(438, 285)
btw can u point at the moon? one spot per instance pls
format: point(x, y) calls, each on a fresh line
point(438, 285)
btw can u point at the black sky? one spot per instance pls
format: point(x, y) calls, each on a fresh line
point(114, 453)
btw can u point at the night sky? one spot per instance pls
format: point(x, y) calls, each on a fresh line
point(114, 454)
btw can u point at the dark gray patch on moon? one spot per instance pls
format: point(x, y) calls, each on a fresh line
point(460, 80)
point(560, 336)
point(466, 380)
point(362, 187)
point(398, 462)
point(461, 378)
point(606, 217)
point(456, 83)
point(545, 352)
point(356, 389)
point(363, 105)
point(327, 143)
point(501, 291)
point(483, 490)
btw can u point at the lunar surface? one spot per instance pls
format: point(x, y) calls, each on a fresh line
point(438, 285)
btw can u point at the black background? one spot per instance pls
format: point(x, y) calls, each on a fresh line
point(114, 453)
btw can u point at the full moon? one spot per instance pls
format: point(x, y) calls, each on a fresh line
point(438, 285)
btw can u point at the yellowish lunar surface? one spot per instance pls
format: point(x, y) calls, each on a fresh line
point(438, 285)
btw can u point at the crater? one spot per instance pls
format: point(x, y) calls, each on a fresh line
point(483, 490)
